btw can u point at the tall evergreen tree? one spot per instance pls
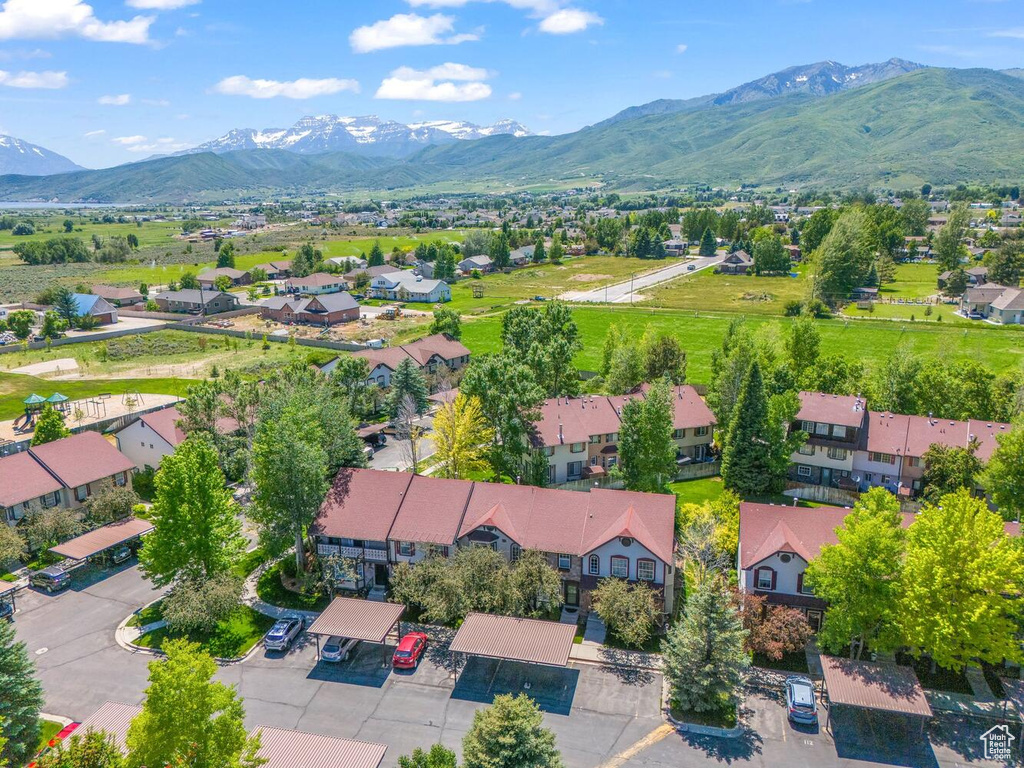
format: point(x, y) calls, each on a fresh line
point(500, 252)
point(407, 381)
point(65, 305)
point(21, 698)
point(707, 243)
point(557, 252)
point(538, 251)
point(703, 657)
point(746, 459)
point(376, 258)
point(50, 426)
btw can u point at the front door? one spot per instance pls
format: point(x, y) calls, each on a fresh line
point(380, 574)
point(572, 594)
point(814, 619)
point(826, 476)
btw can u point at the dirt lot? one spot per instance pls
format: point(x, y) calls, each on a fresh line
point(366, 328)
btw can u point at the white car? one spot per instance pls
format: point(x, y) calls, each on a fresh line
point(338, 649)
point(282, 634)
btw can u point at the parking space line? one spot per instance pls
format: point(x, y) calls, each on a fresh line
point(649, 740)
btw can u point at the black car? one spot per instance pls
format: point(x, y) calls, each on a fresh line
point(377, 440)
point(6, 610)
point(52, 579)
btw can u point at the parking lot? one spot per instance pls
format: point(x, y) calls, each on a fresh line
point(601, 716)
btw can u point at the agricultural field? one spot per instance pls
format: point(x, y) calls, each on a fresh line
point(870, 342)
point(150, 233)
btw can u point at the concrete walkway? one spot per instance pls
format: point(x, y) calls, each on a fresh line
point(252, 599)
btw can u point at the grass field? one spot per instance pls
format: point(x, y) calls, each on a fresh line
point(151, 233)
point(14, 388)
point(868, 341)
point(743, 294)
point(234, 636)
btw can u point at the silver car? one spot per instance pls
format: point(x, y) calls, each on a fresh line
point(800, 701)
point(282, 634)
point(337, 649)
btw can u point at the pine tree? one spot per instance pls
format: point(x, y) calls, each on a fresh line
point(376, 255)
point(556, 252)
point(500, 252)
point(407, 380)
point(21, 698)
point(703, 656)
point(538, 251)
point(65, 305)
point(510, 734)
point(707, 243)
point(746, 460)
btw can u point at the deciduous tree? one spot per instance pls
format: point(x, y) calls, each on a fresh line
point(93, 749)
point(447, 321)
point(462, 438)
point(663, 356)
point(1004, 474)
point(438, 757)
point(627, 610)
point(49, 426)
point(646, 449)
point(948, 469)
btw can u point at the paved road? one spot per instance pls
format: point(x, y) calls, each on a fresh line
point(394, 455)
point(601, 717)
point(625, 292)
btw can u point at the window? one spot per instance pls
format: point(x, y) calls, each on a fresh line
point(514, 552)
point(804, 587)
point(915, 461)
point(620, 566)
point(837, 454)
point(765, 578)
point(612, 437)
point(120, 479)
point(551, 475)
point(838, 430)
point(808, 427)
point(821, 429)
point(549, 451)
point(806, 449)
point(595, 439)
point(578, 447)
point(882, 458)
point(701, 431)
point(563, 562)
point(406, 549)
point(869, 477)
point(803, 471)
point(82, 493)
point(593, 565)
point(679, 434)
point(645, 570)
point(51, 499)
point(574, 469)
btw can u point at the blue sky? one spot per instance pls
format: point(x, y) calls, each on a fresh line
point(112, 82)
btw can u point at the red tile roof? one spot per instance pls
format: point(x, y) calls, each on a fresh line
point(420, 351)
point(614, 514)
point(165, 423)
point(81, 459)
point(22, 478)
point(904, 435)
point(362, 504)
point(845, 410)
point(432, 511)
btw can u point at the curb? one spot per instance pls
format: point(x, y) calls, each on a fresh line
point(699, 730)
point(64, 721)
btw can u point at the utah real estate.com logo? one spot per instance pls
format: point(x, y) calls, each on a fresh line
point(997, 741)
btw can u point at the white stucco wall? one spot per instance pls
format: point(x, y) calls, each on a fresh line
point(786, 574)
point(142, 445)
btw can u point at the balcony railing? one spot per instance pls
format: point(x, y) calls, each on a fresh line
point(354, 553)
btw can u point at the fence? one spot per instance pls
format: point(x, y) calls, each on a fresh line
point(103, 336)
point(342, 346)
point(685, 472)
point(822, 494)
point(698, 470)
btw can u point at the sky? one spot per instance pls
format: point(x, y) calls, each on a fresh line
point(111, 82)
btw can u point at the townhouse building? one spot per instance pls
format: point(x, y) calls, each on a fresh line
point(379, 519)
point(430, 354)
point(853, 448)
point(580, 435)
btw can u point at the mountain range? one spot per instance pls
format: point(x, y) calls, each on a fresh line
point(17, 156)
point(367, 135)
point(894, 124)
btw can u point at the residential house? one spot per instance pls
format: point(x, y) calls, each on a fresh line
point(63, 473)
point(348, 263)
point(676, 247)
point(795, 254)
point(275, 270)
point(326, 309)
point(408, 286)
point(429, 354)
point(995, 303)
point(196, 301)
point(367, 273)
point(118, 296)
point(237, 277)
point(152, 436)
point(580, 435)
point(853, 448)
point(91, 305)
point(975, 276)
point(381, 518)
point(251, 221)
point(521, 257)
point(480, 263)
point(316, 284)
point(738, 263)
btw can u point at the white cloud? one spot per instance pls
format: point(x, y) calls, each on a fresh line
point(129, 141)
point(162, 145)
point(115, 101)
point(59, 18)
point(515, 96)
point(681, 48)
point(94, 134)
point(446, 82)
point(156, 102)
point(47, 80)
point(569, 20)
point(160, 5)
point(1013, 32)
point(303, 88)
point(407, 29)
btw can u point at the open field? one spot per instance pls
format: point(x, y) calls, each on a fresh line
point(15, 387)
point(150, 233)
point(868, 341)
point(743, 294)
point(914, 282)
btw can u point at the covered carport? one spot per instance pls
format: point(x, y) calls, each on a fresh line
point(538, 649)
point(98, 541)
point(364, 620)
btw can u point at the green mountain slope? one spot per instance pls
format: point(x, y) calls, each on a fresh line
point(937, 125)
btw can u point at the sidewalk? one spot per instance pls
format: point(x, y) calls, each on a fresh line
point(250, 598)
point(592, 653)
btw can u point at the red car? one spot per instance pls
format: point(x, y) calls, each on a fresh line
point(410, 648)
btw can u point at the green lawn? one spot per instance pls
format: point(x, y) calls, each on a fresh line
point(14, 388)
point(697, 491)
point(870, 342)
point(232, 638)
point(743, 294)
point(151, 233)
point(148, 615)
point(47, 730)
point(271, 590)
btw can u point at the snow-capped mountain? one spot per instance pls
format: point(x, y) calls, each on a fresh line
point(20, 157)
point(368, 135)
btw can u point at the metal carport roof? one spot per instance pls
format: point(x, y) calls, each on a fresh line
point(508, 637)
point(867, 685)
point(296, 749)
point(114, 718)
point(94, 542)
point(364, 620)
